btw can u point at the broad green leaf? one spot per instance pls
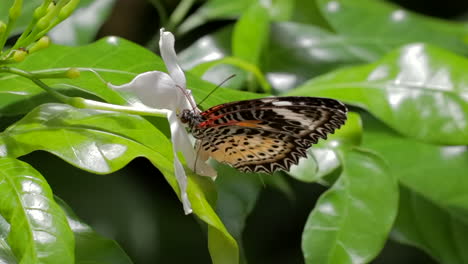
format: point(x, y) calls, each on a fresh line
point(90, 246)
point(103, 142)
point(249, 37)
point(323, 158)
point(391, 26)
point(438, 173)
point(297, 52)
point(432, 228)
point(214, 9)
point(73, 30)
point(351, 220)
point(281, 10)
point(307, 12)
point(250, 33)
point(207, 48)
point(237, 195)
point(210, 48)
point(226, 9)
point(419, 90)
point(116, 60)
point(39, 232)
point(6, 254)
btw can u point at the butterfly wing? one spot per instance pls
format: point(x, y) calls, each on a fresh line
point(265, 135)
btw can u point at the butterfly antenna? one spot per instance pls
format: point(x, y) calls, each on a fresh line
point(212, 91)
point(187, 95)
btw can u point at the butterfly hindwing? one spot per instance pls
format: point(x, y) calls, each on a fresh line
point(264, 152)
point(264, 135)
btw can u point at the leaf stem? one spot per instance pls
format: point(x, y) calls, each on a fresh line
point(179, 13)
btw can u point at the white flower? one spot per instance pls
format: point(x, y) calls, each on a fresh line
point(160, 90)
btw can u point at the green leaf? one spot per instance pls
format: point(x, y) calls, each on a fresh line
point(418, 90)
point(103, 142)
point(249, 38)
point(6, 254)
point(197, 59)
point(323, 158)
point(438, 173)
point(39, 232)
point(237, 195)
point(352, 219)
point(214, 9)
point(73, 31)
point(391, 26)
point(226, 9)
point(432, 228)
point(121, 62)
point(250, 33)
point(297, 52)
point(307, 12)
point(90, 246)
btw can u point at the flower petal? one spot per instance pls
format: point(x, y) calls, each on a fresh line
point(154, 89)
point(166, 46)
point(182, 181)
point(181, 142)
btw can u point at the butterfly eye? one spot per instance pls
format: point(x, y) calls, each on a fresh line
point(185, 116)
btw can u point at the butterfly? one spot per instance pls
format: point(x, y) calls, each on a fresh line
point(263, 135)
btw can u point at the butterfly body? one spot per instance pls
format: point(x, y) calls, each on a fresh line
point(264, 135)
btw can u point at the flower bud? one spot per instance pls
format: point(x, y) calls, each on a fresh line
point(68, 9)
point(41, 10)
point(19, 55)
point(15, 9)
point(72, 73)
point(42, 43)
point(44, 21)
point(3, 27)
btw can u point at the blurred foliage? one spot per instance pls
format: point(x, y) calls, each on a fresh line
point(395, 171)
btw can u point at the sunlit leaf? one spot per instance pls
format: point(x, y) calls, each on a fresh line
point(351, 220)
point(39, 232)
point(103, 142)
point(438, 173)
point(392, 26)
point(418, 90)
point(323, 158)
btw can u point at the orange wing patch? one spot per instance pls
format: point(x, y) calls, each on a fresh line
point(252, 153)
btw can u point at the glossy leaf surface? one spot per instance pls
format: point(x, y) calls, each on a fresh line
point(418, 90)
point(391, 26)
point(351, 220)
point(39, 232)
point(103, 142)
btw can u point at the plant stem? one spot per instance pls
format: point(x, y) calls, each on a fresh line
point(179, 13)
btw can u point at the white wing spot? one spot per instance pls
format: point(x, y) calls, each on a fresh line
point(288, 114)
point(282, 103)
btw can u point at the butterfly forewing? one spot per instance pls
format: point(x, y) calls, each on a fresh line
point(265, 135)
